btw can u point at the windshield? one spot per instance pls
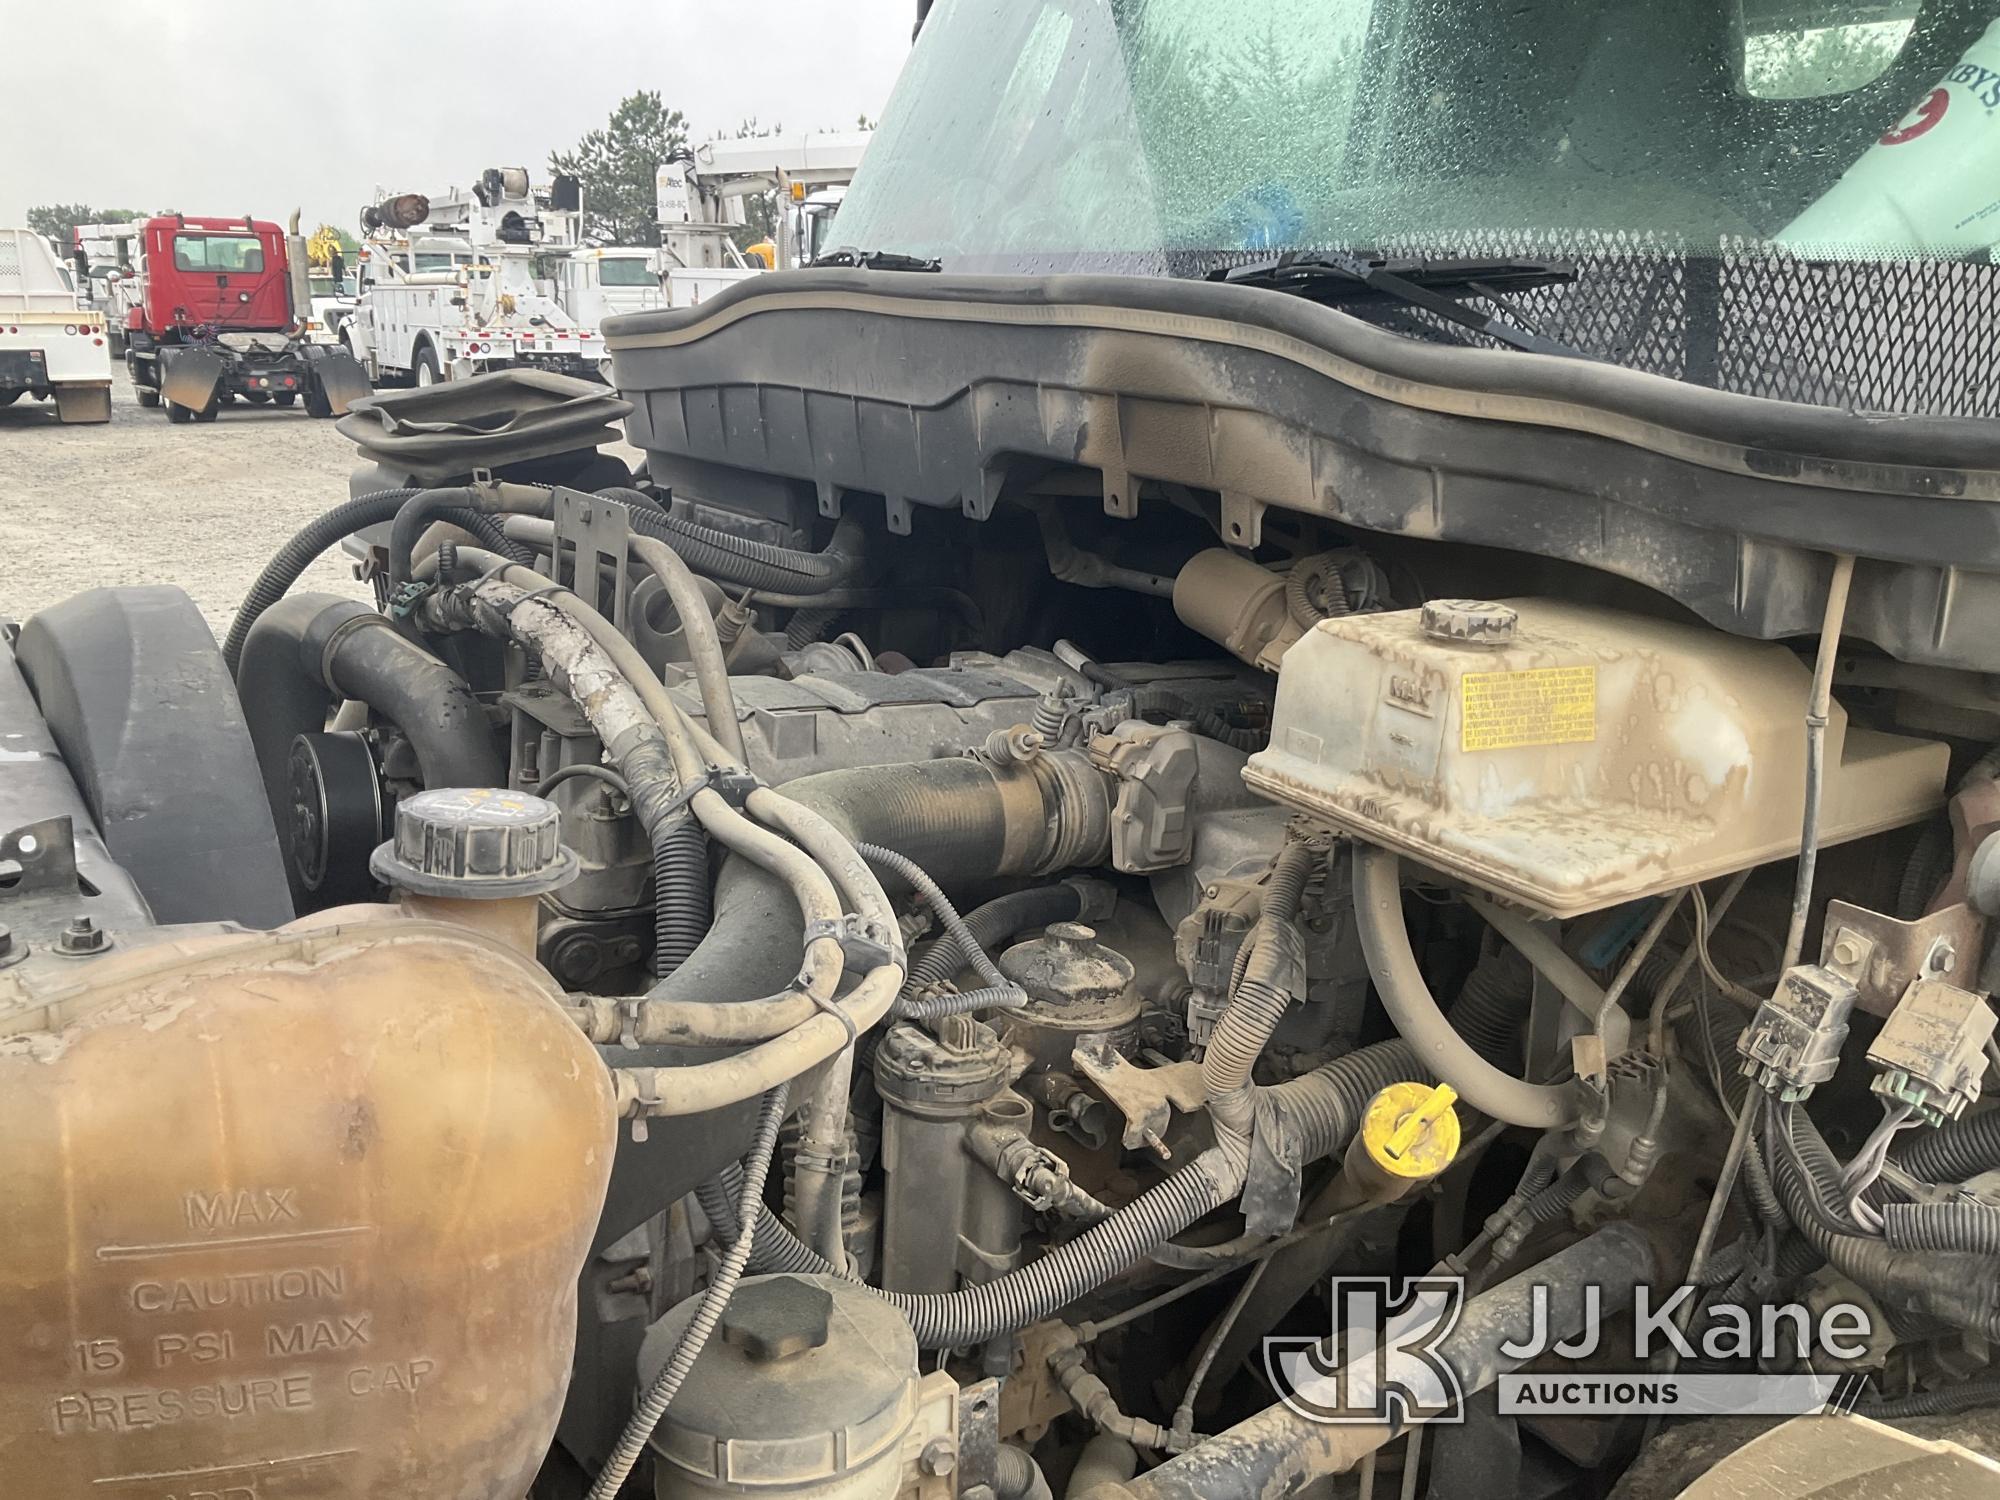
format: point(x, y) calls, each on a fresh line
point(242, 253)
point(1125, 134)
point(625, 271)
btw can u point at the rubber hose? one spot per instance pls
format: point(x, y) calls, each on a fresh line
point(290, 561)
point(680, 894)
point(940, 905)
point(748, 563)
point(1163, 702)
point(959, 818)
point(1961, 1288)
point(1385, 939)
point(1961, 1225)
point(308, 651)
point(1492, 1007)
point(1325, 1106)
point(994, 923)
point(1553, 1201)
point(714, 1302)
point(1307, 611)
point(412, 517)
point(1947, 1402)
point(1925, 870)
point(809, 625)
point(1259, 999)
point(1954, 1152)
point(1016, 1476)
point(963, 1002)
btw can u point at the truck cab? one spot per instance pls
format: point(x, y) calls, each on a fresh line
point(594, 284)
point(214, 316)
point(221, 274)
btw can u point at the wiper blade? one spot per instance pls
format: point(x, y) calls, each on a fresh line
point(877, 260)
point(1330, 276)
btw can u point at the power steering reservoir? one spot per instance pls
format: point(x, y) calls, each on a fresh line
point(292, 1216)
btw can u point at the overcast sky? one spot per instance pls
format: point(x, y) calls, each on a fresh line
point(260, 106)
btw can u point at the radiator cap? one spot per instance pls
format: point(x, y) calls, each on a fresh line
point(475, 844)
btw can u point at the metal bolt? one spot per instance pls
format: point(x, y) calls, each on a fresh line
point(83, 935)
point(1846, 951)
point(938, 1458)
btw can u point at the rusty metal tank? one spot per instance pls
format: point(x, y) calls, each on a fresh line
point(292, 1216)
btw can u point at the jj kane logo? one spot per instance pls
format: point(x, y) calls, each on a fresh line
point(1390, 1357)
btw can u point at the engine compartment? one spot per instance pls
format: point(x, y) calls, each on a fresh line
point(1026, 953)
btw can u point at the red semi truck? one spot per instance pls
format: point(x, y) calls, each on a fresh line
point(215, 315)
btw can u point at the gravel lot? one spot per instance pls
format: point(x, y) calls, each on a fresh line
point(140, 500)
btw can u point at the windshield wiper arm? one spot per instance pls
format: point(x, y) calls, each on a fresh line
point(877, 260)
point(1330, 276)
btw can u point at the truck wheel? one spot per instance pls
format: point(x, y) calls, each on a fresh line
point(208, 412)
point(148, 395)
point(178, 413)
point(428, 371)
point(317, 405)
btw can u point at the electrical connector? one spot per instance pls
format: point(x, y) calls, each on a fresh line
point(1792, 1044)
point(1931, 1053)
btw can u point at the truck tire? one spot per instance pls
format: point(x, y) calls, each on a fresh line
point(426, 370)
point(317, 405)
point(178, 413)
point(148, 395)
point(209, 412)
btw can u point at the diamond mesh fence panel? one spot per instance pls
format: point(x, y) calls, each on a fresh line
point(1903, 336)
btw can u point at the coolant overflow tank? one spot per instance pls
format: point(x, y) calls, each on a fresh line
point(1570, 757)
point(292, 1216)
point(807, 1388)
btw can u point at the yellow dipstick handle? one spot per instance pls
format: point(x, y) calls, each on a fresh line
point(1421, 1119)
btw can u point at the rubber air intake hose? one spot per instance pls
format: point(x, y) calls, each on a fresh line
point(746, 562)
point(960, 819)
point(290, 561)
point(306, 653)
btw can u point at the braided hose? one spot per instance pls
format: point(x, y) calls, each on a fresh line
point(714, 1302)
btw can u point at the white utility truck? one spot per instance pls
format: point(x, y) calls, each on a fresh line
point(51, 345)
point(449, 286)
point(700, 199)
point(601, 281)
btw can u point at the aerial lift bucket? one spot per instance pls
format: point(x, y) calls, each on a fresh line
point(340, 380)
point(191, 378)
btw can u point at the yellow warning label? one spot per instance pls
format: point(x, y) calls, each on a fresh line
point(1513, 710)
